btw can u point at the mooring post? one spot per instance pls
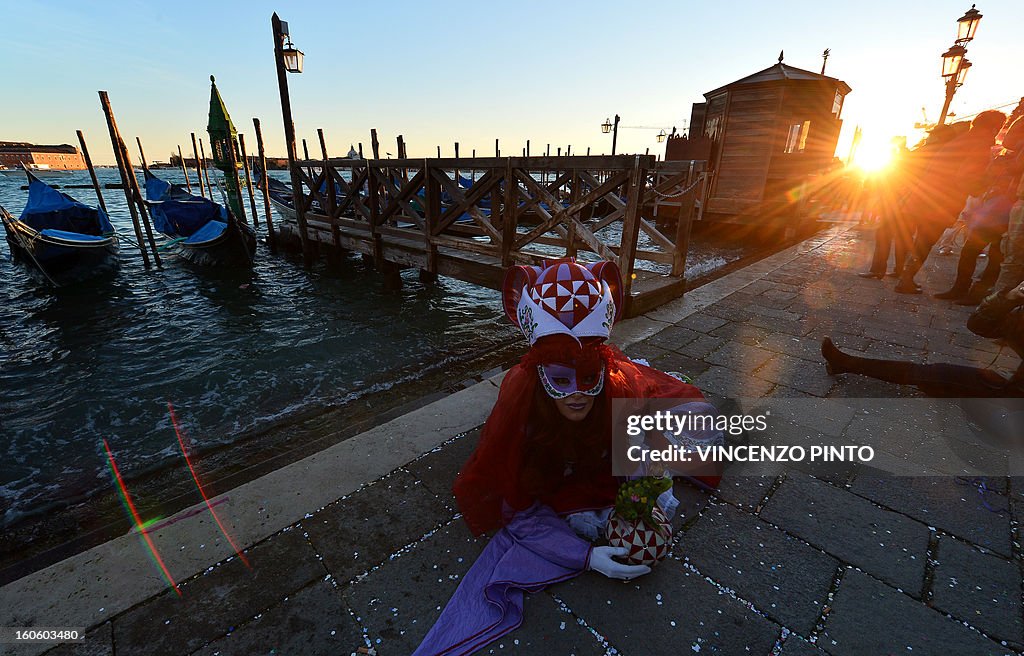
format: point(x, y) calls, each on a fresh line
point(264, 186)
point(142, 155)
point(361, 150)
point(92, 172)
point(248, 181)
point(457, 185)
point(184, 171)
point(205, 169)
point(289, 137)
point(125, 174)
point(374, 143)
point(684, 225)
point(631, 228)
point(332, 199)
point(527, 147)
point(199, 170)
point(497, 151)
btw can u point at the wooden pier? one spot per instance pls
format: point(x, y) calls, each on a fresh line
point(406, 213)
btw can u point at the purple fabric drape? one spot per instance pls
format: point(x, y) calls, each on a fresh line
point(534, 550)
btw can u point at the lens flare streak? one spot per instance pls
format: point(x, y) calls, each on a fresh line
point(139, 524)
point(206, 499)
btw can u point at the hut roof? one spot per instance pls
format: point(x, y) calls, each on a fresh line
point(781, 72)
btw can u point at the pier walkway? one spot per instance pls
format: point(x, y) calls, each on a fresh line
point(360, 544)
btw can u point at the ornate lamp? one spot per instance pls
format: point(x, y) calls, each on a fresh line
point(951, 60)
point(606, 127)
point(661, 136)
point(967, 25)
point(962, 74)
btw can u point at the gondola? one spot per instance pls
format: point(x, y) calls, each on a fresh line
point(66, 240)
point(202, 231)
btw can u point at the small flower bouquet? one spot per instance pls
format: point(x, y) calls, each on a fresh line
point(637, 522)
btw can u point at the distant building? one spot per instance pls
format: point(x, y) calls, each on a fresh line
point(764, 136)
point(62, 158)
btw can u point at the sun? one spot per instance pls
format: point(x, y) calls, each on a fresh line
point(873, 156)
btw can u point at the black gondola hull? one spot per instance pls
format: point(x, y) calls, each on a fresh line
point(236, 246)
point(63, 262)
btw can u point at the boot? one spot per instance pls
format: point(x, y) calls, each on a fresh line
point(957, 291)
point(975, 296)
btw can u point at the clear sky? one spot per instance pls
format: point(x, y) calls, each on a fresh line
point(440, 72)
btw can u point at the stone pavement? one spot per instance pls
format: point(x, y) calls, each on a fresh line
point(847, 563)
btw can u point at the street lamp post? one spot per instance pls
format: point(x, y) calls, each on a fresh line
point(954, 60)
point(289, 60)
point(607, 127)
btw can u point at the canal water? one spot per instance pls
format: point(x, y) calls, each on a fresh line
point(234, 352)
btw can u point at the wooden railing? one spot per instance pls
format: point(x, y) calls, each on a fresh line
point(510, 210)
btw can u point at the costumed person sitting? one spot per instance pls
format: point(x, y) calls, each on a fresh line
point(541, 475)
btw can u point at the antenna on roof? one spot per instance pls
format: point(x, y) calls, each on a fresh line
point(780, 56)
point(824, 59)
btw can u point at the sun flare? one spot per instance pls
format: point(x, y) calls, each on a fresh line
point(873, 156)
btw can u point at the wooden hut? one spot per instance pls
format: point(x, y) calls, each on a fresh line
point(764, 137)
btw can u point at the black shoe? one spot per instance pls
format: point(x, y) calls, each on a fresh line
point(952, 294)
point(907, 289)
point(975, 296)
point(871, 274)
point(833, 356)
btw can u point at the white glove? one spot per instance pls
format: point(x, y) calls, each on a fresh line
point(601, 561)
point(589, 524)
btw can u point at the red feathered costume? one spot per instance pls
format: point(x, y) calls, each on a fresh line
point(533, 465)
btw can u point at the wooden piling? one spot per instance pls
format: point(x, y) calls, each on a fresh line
point(205, 168)
point(497, 150)
point(199, 171)
point(142, 154)
point(184, 170)
point(438, 152)
point(375, 143)
point(248, 181)
point(527, 147)
point(329, 190)
point(457, 166)
point(264, 186)
point(233, 158)
point(139, 200)
point(92, 172)
point(361, 150)
point(289, 138)
point(125, 174)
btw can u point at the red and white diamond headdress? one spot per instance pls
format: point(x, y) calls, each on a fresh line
point(563, 297)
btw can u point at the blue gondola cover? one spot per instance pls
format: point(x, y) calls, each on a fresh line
point(49, 208)
point(177, 213)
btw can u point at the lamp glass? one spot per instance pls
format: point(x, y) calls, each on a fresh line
point(606, 127)
point(951, 61)
point(292, 59)
point(660, 136)
point(962, 74)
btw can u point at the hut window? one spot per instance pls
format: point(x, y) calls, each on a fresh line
point(712, 126)
point(837, 104)
point(796, 140)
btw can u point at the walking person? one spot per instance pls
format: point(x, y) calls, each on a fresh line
point(950, 170)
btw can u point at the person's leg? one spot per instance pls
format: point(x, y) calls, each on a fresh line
point(995, 261)
point(973, 245)
point(927, 234)
point(938, 380)
point(880, 255)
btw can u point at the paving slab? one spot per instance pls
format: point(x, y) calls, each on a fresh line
point(784, 578)
point(672, 610)
point(363, 529)
point(221, 598)
point(730, 383)
point(313, 622)
point(437, 469)
point(673, 337)
point(980, 589)
point(741, 487)
point(803, 375)
point(797, 646)
point(942, 502)
point(885, 544)
point(869, 617)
